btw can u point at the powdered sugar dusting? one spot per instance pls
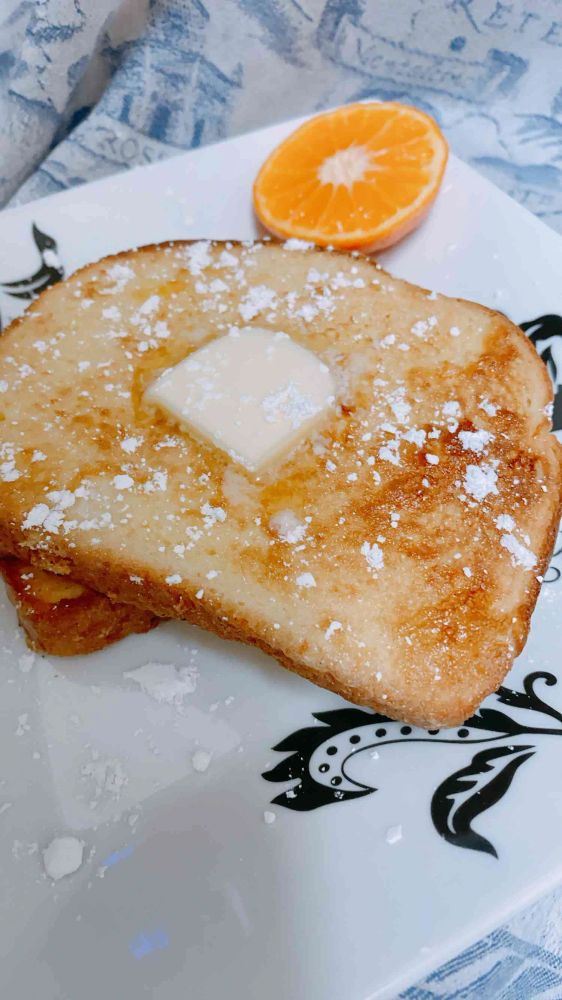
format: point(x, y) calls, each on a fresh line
point(480, 481)
point(505, 522)
point(520, 554)
point(289, 403)
point(295, 244)
point(200, 760)
point(287, 527)
point(393, 834)
point(164, 682)
point(120, 274)
point(198, 256)
point(373, 556)
point(259, 299)
point(63, 857)
point(123, 482)
point(333, 627)
point(130, 444)
point(489, 408)
point(398, 405)
point(212, 515)
point(475, 440)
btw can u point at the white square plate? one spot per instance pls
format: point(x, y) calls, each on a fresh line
point(352, 891)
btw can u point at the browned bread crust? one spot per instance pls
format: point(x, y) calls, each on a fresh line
point(423, 638)
point(65, 618)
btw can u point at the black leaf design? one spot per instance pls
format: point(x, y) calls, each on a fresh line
point(493, 721)
point(348, 718)
point(307, 793)
point(42, 240)
point(49, 272)
point(303, 739)
point(469, 792)
point(528, 698)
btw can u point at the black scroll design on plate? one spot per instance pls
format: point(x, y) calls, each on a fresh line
point(553, 573)
point(49, 271)
point(319, 756)
point(545, 332)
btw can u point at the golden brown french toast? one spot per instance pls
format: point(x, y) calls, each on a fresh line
point(393, 556)
point(65, 618)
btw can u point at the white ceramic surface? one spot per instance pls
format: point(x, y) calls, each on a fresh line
point(186, 890)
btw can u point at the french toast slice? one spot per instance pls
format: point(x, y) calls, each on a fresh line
point(65, 618)
point(424, 511)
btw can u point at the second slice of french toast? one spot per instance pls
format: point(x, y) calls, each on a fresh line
point(65, 618)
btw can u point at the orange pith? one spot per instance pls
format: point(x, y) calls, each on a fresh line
point(360, 176)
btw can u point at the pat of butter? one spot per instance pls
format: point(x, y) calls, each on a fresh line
point(253, 393)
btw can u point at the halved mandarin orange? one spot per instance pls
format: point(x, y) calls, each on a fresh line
point(363, 175)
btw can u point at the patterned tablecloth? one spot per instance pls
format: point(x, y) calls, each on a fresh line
point(90, 87)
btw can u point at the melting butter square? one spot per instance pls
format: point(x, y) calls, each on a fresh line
point(253, 393)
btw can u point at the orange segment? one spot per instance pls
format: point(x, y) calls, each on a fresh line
point(361, 176)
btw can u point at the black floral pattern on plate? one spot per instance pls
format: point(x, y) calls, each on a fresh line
point(319, 756)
